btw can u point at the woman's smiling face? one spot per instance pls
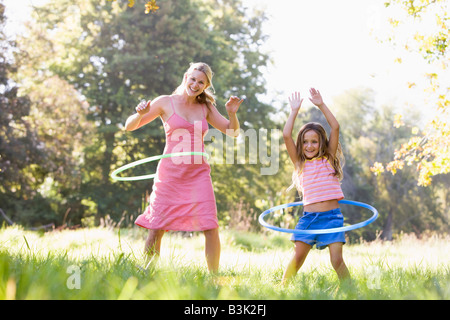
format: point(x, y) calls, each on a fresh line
point(196, 83)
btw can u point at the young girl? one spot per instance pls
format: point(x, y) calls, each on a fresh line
point(182, 198)
point(317, 173)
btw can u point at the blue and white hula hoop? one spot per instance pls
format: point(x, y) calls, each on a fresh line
point(319, 231)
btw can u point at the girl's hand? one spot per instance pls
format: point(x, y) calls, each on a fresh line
point(233, 104)
point(143, 107)
point(295, 101)
point(316, 97)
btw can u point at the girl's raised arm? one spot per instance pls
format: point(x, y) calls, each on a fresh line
point(295, 101)
point(316, 99)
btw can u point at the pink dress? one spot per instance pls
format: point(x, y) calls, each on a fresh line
point(182, 198)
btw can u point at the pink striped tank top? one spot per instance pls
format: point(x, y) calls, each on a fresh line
point(317, 183)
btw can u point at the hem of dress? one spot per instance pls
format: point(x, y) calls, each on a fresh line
point(191, 222)
point(177, 229)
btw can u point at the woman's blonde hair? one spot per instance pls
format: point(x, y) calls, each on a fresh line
point(208, 94)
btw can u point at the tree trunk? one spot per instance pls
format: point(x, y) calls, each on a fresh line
point(386, 234)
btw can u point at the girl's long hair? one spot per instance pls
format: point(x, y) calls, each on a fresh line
point(208, 94)
point(337, 161)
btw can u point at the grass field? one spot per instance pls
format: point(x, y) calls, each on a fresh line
point(107, 264)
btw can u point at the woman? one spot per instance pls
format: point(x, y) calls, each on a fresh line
point(183, 198)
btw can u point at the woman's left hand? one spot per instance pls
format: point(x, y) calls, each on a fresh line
point(233, 104)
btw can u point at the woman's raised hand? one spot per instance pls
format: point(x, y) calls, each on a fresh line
point(233, 104)
point(143, 107)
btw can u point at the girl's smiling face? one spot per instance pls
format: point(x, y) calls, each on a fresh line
point(196, 83)
point(311, 144)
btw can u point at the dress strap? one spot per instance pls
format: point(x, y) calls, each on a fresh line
point(171, 102)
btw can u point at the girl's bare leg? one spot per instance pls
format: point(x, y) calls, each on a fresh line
point(301, 251)
point(337, 261)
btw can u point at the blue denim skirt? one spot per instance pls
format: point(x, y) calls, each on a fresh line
point(320, 220)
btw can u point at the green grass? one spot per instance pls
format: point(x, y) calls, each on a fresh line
point(109, 264)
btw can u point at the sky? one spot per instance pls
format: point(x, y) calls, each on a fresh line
point(327, 44)
point(332, 45)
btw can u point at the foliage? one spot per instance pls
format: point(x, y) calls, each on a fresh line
point(113, 56)
point(150, 6)
point(428, 149)
point(81, 67)
point(367, 137)
point(24, 162)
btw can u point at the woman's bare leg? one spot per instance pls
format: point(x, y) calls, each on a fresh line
point(153, 245)
point(212, 249)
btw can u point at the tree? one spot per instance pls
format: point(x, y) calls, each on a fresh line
point(20, 149)
point(115, 55)
point(23, 161)
point(367, 136)
point(429, 149)
point(42, 126)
